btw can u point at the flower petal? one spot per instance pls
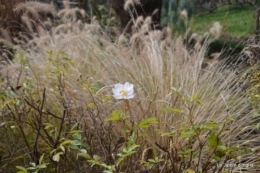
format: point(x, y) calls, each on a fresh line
point(117, 96)
point(130, 90)
point(130, 96)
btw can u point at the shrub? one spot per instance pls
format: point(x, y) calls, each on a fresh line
point(58, 113)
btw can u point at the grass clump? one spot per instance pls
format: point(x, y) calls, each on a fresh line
point(238, 23)
point(58, 113)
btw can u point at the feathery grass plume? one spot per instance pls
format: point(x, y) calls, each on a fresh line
point(35, 6)
point(62, 28)
point(27, 22)
point(138, 22)
point(48, 24)
point(184, 14)
point(71, 14)
point(66, 4)
point(4, 33)
point(128, 4)
point(134, 38)
point(216, 30)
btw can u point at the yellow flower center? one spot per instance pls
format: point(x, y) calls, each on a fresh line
point(123, 92)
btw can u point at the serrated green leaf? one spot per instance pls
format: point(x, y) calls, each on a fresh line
point(169, 109)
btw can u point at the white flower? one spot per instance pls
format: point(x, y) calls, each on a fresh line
point(123, 91)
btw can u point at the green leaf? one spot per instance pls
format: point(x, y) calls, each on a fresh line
point(77, 136)
point(41, 166)
point(195, 96)
point(145, 123)
point(74, 147)
point(169, 109)
point(214, 140)
point(56, 157)
point(176, 89)
point(187, 100)
point(47, 125)
point(129, 153)
point(199, 101)
point(74, 126)
point(21, 168)
point(41, 159)
point(75, 131)
point(115, 115)
point(75, 142)
point(96, 157)
point(189, 171)
point(211, 124)
point(62, 148)
point(107, 171)
point(66, 142)
point(132, 147)
point(85, 155)
point(83, 151)
point(95, 86)
point(219, 153)
point(188, 151)
point(33, 164)
point(217, 158)
point(106, 97)
point(94, 162)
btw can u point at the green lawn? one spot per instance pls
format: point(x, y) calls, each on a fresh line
point(237, 23)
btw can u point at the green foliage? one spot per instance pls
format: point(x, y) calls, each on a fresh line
point(252, 81)
point(236, 23)
point(34, 168)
